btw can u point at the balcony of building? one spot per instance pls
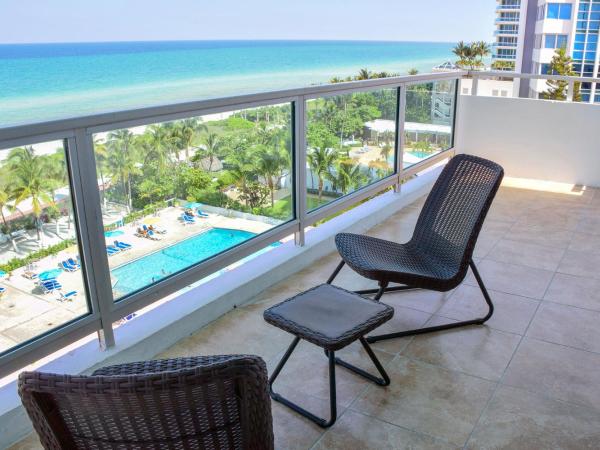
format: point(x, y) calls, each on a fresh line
point(528, 378)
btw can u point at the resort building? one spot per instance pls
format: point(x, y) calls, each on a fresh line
point(511, 20)
point(528, 33)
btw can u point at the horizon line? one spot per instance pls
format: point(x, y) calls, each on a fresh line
point(226, 40)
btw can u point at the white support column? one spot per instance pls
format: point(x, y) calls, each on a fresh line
point(93, 247)
point(300, 167)
point(400, 135)
point(475, 86)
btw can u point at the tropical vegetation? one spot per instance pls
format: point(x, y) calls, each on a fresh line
point(240, 161)
point(561, 64)
point(471, 56)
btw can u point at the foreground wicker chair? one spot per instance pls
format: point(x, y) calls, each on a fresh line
point(212, 402)
point(440, 251)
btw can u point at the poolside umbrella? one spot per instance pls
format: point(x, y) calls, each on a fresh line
point(2, 273)
point(192, 205)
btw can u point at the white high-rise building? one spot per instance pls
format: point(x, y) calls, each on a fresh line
point(511, 16)
point(528, 32)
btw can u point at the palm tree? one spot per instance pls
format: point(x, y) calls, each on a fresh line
point(385, 151)
point(31, 183)
point(101, 152)
point(270, 165)
point(212, 145)
point(347, 176)
point(363, 74)
point(413, 71)
point(187, 131)
point(5, 199)
point(321, 161)
point(123, 162)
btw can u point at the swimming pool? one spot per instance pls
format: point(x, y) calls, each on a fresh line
point(151, 268)
point(114, 233)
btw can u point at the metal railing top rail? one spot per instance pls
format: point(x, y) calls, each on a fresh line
point(530, 76)
point(131, 117)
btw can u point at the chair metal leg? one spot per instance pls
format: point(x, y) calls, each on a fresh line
point(383, 381)
point(448, 326)
point(336, 271)
point(369, 291)
point(332, 390)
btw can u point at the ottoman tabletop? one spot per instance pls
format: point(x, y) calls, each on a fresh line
point(329, 316)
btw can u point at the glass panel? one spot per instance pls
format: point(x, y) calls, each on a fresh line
point(41, 282)
point(565, 11)
point(552, 11)
point(177, 193)
point(429, 120)
point(350, 143)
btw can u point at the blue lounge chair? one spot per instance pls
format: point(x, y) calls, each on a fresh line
point(201, 214)
point(68, 296)
point(152, 235)
point(68, 267)
point(74, 263)
point(2, 290)
point(122, 245)
point(112, 250)
point(187, 219)
point(51, 286)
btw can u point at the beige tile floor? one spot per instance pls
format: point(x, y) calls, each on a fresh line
point(528, 379)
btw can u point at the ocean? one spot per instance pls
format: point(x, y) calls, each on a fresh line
point(40, 82)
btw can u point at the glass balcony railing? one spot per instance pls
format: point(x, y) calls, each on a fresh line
point(180, 192)
point(103, 216)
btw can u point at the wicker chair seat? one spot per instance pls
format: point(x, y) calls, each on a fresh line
point(328, 316)
point(390, 262)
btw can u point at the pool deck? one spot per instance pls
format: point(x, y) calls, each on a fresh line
point(26, 312)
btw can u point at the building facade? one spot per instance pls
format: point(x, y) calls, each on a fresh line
point(552, 24)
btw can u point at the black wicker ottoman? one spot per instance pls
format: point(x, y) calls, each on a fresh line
point(331, 318)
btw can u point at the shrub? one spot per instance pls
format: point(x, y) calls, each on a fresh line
point(16, 263)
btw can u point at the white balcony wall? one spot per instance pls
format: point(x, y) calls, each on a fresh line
point(537, 139)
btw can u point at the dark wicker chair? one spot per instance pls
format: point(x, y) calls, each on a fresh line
point(212, 402)
point(439, 254)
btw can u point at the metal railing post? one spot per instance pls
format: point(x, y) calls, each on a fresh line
point(475, 85)
point(92, 241)
point(570, 90)
point(400, 136)
point(300, 166)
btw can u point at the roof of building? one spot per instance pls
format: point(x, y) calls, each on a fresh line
point(383, 125)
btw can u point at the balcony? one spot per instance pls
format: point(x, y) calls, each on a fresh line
point(537, 253)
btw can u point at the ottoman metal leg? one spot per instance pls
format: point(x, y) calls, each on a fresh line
point(332, 391)
point(383, 381)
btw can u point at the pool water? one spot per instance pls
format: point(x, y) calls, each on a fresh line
point(114, 233)
point(151, 268)
point(49, 274)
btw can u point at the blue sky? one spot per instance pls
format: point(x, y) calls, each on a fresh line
point(126, 20)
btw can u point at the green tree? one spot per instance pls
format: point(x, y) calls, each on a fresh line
point(347, 176)
point(187, 131)
point(413, 71)
point(211, 147)
point(123, 162)
point(271, 162)
point(6, 196)
point(471, 55)
point(321, 162)
point(561, 64)
point(254, 194)
point(31, 183)
point(385, 151)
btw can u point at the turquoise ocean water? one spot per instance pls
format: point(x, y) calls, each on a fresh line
point(50, 81)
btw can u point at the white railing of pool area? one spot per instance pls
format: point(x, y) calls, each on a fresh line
point(78, 134)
